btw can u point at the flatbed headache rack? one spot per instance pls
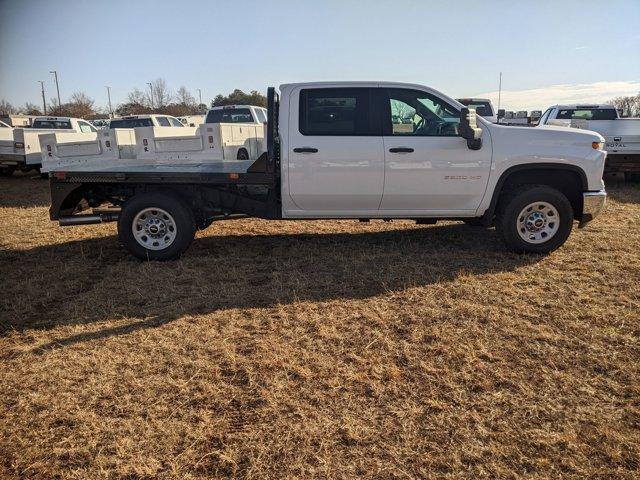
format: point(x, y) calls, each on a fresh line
point(264, 171)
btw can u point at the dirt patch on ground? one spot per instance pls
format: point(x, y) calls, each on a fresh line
point(318, 350)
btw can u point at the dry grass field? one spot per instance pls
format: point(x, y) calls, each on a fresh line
point(318, 350)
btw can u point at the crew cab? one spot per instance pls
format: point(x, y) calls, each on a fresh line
point(622, 135)
point(335, 152)
point(25, 154)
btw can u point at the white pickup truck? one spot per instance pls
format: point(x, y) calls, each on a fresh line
point(482, 106)
point(25, 152)
point(622, 135)
point(335, 152)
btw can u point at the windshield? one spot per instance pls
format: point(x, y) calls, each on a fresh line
point(587, 114)
point(130, 123)
point(52, 124)
point(230, 115)
point(482, 108)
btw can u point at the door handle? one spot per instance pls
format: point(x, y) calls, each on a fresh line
point(401, 150)
point(305, 150)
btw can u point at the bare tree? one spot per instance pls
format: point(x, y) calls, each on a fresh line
point(160, 94)
point(628, 106)
point(184, 97)
point(54, 107)
point(80, 105)
point(6, 108)
point(30, 109)
point(137, 97)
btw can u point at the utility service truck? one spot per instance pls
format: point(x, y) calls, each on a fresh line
point(335, 152)
point(234, 132)
point(622, 135)
point(25, 152)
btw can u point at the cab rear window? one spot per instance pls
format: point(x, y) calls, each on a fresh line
point(482, 108)
point(130, 123)
point(587, 114)
point(52, 124)
point(230, 115)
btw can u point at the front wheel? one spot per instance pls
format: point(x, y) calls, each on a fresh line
point(534, 219)
point(156, 226)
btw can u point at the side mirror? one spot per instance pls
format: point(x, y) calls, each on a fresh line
point(501, 113)
point(469, 130)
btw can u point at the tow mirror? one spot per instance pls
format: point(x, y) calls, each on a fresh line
point(469, 130)
point(501, 113)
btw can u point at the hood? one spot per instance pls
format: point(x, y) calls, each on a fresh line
point(547, 134)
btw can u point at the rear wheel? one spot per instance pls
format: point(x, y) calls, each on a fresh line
point(243, 154)
point(534, 219)
point(156, 226)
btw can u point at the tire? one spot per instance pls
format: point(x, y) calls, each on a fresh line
point(534, 219)
point(632, 177)
point(243, 154)
point(164, 226)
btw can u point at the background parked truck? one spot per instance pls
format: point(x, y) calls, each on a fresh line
point(622, 135)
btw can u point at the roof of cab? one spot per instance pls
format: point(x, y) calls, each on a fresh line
point(576, 106)
point(231, 107)
point(55, 118)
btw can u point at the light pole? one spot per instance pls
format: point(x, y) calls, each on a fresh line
point(200, 97)
point(109, 97)
point(151, 96)
point(44, 102)
point(55, 74)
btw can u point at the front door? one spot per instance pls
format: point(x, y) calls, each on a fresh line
point(428, 167)
point(336, 156)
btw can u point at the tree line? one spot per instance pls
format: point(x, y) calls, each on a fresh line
point(628, 106)
point(159, 98)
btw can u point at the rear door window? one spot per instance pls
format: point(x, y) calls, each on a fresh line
point(163, 122)
point(262, 118)
point(337, 112)
point(86, 127)
point(175, 122)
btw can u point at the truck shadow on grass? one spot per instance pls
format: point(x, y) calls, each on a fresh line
point(24, 190)
point(91, 281)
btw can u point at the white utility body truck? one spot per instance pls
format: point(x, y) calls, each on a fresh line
point(6, 147)
point(26, 154)
point(117, 142)
point(335, 152)
point(234, 132)
point(622, 135)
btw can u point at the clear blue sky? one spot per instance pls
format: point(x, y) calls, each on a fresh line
point(455, 46)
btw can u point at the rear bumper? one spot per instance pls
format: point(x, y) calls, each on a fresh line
point(592, 205)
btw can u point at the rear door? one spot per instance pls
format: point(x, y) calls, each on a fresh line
point(336, 157)
point(429, 169)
